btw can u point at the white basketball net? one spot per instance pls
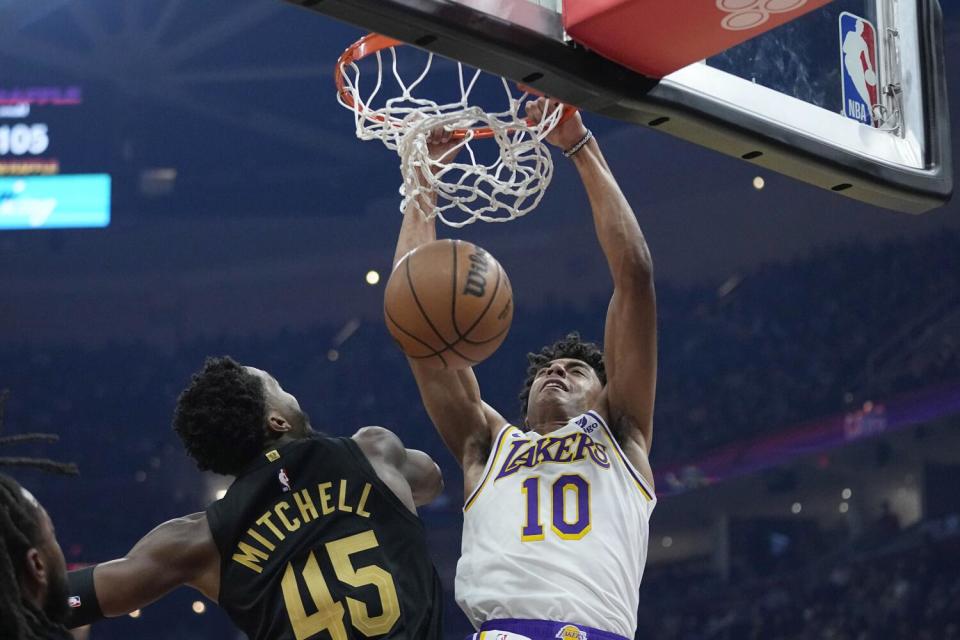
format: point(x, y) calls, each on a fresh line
point(469, 188)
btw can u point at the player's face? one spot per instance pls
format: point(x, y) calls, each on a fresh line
point(52, 577)
point(55, 605)
point(568, 383)
point(283, 403)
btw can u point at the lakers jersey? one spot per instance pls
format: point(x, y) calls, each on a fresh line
point(557, 529)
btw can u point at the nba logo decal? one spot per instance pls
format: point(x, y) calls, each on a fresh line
point(284, 480)
point(858, 68)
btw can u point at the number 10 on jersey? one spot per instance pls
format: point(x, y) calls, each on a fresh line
point(569, 501)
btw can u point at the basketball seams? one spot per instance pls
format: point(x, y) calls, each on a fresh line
point(433, 352)
point(418, 339)
point(407, 333)
point(453, 293)
point(479, 343)
point(496, 288)
point(446, 345)
point(416, 299)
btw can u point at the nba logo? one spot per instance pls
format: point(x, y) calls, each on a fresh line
point(284, 480)
point(858, 68)
point(73, 602)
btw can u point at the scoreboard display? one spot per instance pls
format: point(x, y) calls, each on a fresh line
point(45, 178)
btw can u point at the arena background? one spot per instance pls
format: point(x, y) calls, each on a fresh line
point(810, 345)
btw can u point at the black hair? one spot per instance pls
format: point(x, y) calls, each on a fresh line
point(571, 346)
point(220, 416)
point(19, 532)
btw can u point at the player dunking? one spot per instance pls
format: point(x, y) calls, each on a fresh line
point(556, 513)
point(316, 538)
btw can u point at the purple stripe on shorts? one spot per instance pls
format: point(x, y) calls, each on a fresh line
point(548, 630)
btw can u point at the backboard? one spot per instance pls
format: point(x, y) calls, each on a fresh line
point(848, 95)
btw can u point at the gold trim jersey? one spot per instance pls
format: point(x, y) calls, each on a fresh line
point(557, 529)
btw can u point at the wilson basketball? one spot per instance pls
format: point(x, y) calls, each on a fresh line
point(448, 304)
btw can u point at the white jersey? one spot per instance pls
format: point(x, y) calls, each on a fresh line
point(557, 529)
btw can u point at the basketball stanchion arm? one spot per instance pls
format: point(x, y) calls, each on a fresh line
point(528, 44)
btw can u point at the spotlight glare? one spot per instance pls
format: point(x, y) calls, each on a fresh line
point(135, 613)
point(667, 541)
point(372, 277)
point(846, 493)
point(198, 607)
point(796, 507)
point(844, 507)
point(759, 183)
point(333, 355)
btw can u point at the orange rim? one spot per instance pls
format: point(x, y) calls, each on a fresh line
point(374, 42)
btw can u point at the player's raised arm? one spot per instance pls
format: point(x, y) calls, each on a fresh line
point(451, 397)
point(630, 340)
point(177, 552)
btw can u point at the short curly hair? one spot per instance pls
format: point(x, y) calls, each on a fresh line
point(220, 416)
point(571, 346)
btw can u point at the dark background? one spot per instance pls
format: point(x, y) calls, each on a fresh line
point(259, 246)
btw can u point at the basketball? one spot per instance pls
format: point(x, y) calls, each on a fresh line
point(448, 304)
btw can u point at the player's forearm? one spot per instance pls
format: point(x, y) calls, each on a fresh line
point(123, 587)
point(452, 402)
point(617, 229)
point(414, 231)
point(443, 392)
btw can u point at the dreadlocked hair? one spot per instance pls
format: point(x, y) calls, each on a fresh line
point(571, 346)
point(19, 532)
point(20, 461)
point(219, 416)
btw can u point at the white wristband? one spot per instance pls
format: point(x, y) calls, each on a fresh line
point(584, 140)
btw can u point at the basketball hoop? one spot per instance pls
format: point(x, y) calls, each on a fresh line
point(508, 185)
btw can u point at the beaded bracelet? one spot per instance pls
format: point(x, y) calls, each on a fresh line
point(583, 141)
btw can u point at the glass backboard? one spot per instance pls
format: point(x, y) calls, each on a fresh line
point(850, 96)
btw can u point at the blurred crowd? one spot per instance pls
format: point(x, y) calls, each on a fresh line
point(747, 355)
point(792, 342)
point(905, 590)
point(756, 353)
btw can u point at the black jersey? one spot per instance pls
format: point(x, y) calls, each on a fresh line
point(313, 545)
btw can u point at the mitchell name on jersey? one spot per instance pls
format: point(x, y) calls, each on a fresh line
point(268, 532)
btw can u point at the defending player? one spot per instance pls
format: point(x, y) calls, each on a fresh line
point(556, 513)
point(33, 573)
point(317, 537)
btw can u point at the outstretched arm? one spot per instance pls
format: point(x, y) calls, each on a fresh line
point(178, 552)
point(630, 338)
point(451, 398)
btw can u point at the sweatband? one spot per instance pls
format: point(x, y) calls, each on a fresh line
point(83, 603)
